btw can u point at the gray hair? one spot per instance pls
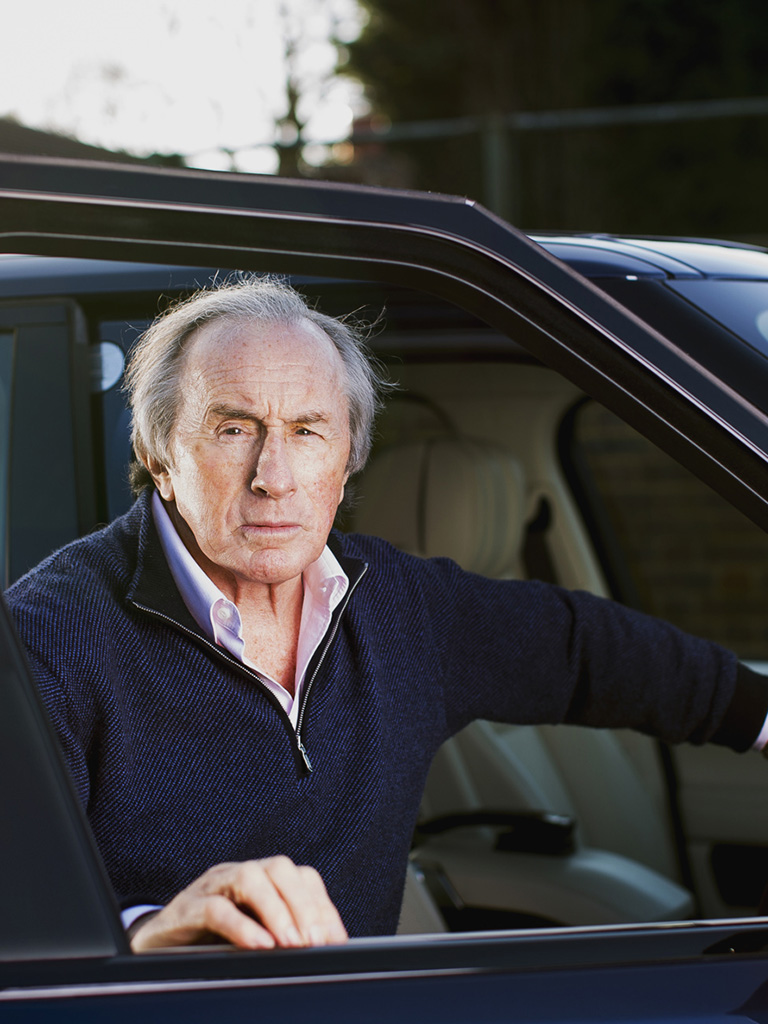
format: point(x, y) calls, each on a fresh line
point(154, 371)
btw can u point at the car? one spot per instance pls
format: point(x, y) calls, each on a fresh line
point(571, 382)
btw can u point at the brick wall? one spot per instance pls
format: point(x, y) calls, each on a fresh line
point(694, 559)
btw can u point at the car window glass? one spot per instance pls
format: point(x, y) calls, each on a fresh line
point(47, 375)
point(742, 306)
point(671, 545)
point(6, 370)
point(115, 420)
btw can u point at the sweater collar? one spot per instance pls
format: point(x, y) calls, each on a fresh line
point(154, 588)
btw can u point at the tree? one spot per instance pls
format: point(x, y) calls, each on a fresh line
point(309, 79)
point(450, 58)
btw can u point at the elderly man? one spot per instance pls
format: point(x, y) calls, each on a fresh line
point(249, 702)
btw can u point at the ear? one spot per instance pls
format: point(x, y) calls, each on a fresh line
point(343, 485)
point(161, 476)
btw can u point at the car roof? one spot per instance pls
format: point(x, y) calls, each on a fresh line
point(601, 256)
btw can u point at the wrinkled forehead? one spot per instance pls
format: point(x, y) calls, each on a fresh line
point(272, 346)
point(294, 367)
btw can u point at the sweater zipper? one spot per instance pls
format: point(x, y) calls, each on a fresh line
point(328, 641)
point(218, 651)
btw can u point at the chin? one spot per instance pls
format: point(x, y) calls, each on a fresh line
point(271, 572)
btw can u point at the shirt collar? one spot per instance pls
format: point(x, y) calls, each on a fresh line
point(325, 579)
point(199, 593)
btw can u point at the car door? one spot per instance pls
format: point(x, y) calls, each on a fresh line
point(452, 249)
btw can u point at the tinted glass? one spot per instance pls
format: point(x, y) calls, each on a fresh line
point(116, 421)
point(678, 550)
point(45, 450)
point(6, 370)
point(742, 306)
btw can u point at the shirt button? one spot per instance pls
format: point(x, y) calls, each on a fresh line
point(224, 613)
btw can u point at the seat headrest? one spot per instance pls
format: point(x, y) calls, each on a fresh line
point(449, 496)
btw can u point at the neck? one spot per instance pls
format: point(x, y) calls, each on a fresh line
point(271, 631)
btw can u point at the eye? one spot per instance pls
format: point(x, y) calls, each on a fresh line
point(305, 432)
point(231, 431)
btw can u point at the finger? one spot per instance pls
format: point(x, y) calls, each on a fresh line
point(290, 903)
point(191, 918)
point(253, 887)
point(304, 892)
point(225, 919)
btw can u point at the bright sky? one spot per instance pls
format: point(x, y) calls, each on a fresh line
point(175, 76)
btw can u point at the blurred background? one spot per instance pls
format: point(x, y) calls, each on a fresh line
point(636, 116)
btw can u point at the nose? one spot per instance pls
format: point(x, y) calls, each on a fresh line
point(273, 475)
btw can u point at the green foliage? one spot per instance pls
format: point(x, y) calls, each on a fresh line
point(684, 50)
point(434, 59)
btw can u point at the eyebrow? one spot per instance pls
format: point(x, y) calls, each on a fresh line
point(228, 412)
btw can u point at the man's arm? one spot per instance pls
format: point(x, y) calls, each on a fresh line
point(257, 904)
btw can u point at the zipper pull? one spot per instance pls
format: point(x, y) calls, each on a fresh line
point(304, 754)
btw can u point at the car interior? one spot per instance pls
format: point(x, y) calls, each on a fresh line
point(548, 825)
point(480, 456)
point(593, 844)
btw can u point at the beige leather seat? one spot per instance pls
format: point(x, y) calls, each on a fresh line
point(448, 496)
point(468, 500)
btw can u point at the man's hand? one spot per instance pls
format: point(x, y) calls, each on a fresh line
point(289, 904)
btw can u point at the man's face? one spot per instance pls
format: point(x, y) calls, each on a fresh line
point(259, 451)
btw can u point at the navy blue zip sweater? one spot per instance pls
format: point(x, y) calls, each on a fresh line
point(183, 760)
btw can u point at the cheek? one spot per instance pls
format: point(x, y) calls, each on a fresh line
point(208, 467)
point(198, 482)
point(329, 493)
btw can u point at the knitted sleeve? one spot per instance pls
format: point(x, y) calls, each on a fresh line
point(62, 615)
point(526, 652)
point(71, 726)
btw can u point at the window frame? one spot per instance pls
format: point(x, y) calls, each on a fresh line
point(455, 250)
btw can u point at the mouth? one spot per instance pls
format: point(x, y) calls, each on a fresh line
point(276, 528)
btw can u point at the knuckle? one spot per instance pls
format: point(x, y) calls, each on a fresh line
point(278, 868)
point(280, 862)
point(214, 911)
point(248, 872)
point(213, 878)
point(311, 876)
